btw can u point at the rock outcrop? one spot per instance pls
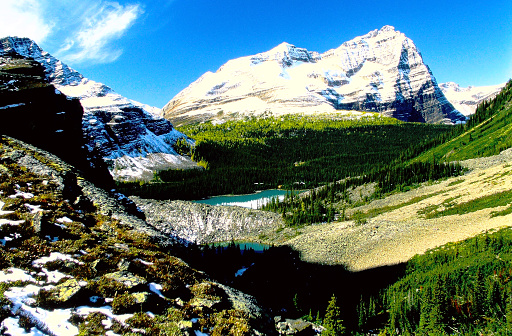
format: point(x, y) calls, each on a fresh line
point(202, 223)
point(133, 138)
point(381, 72)
point(32, 110)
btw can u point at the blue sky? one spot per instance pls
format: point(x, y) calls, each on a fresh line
point(150, 50)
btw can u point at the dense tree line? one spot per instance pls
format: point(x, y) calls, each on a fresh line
point(319, 204)
point(291, 152)
point(460, 288)
point(486, 112)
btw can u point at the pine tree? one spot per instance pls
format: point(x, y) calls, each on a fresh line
point(333, 323)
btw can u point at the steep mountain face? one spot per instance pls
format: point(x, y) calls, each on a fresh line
point(465, 100)
point(34, 111)
point(382, 72)
point(133, 139)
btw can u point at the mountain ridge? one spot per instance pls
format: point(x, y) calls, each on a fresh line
point(380, 72)
point(466, 99)
point(133, 138)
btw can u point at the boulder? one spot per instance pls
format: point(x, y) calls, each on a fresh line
point(128, 279)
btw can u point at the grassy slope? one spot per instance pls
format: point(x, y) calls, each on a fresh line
point(484, 139)
point(464, 287)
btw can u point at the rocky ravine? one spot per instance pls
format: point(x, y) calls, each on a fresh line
point(202, 223)
point(402, 229)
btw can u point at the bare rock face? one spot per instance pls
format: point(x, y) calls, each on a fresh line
point(202, 223)
point(382, 72)
point(133, 138)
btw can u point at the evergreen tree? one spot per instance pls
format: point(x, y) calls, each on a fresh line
point(333, 323)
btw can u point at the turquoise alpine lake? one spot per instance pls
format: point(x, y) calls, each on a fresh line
point(253, 201)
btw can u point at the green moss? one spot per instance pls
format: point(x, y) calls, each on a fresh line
point(124, 303)
point(231, 322)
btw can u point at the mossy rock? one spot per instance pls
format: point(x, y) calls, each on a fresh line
point(204, 302)
point(68, 290)
point(128, 279)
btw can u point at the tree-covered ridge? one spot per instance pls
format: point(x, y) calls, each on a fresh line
point(293, 152)
point(486, 133)
point(460, 288)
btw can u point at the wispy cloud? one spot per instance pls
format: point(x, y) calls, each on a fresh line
point(83, 31)
point(24, 18)
point(92, 41)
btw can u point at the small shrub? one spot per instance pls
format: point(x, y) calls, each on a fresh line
point(93, 325)
point(123, 304)
point(140, 320)
point(107, 287)
point(46, 299)
point(25, 323)
point(231, 322)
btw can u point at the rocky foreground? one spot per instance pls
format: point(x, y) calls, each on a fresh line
point(76, 258)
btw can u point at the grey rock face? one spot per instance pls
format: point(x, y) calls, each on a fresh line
point(202, 223)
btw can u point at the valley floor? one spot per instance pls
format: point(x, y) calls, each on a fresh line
point(409, 223)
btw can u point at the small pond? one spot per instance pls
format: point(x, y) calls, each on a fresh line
point(245, 245)
point(253, 201)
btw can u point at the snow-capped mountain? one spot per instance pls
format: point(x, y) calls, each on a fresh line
point(382, 71)
point(133, 138)
point(466, 99)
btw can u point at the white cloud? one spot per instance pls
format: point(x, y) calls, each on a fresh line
point(82, 31)
point(24, 18)
point(104, 24)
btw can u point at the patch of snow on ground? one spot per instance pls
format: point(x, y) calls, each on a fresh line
point(12, 236)
point(12, 327)
point(64, 220)
point(2, 212)
point(51, 322)
point(55, 256)
point(156, 288)
point(15, 274)
point(34, 208)
point(10, 222)
point(22, 195)
point(241, 271)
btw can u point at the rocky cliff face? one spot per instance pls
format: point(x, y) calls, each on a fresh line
point(202, 224)
point(34, 111)
point(133, 139)
point(466, 99)
point(382, 72)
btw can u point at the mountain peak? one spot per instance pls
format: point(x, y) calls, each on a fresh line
point(20, 45)
point(388, 28)
point(286, 55)
point(283, 46)
point(380, 72)
point(132, 137)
